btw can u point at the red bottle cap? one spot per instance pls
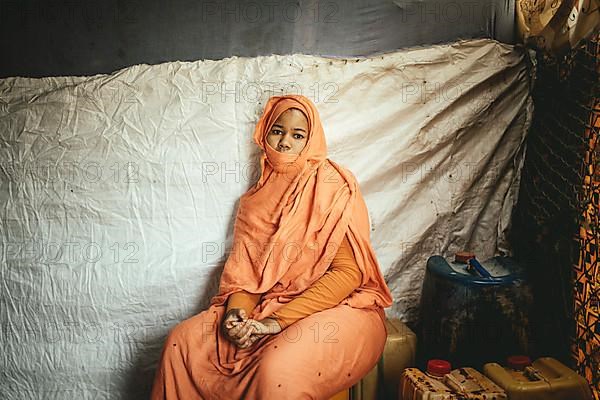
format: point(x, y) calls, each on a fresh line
point(463, 256)
point(438, 367)
point(518, 362)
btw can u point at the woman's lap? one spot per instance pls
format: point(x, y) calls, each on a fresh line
point(313, 358)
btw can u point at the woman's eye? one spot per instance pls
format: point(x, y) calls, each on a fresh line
point(276, 131)
point(299, 136)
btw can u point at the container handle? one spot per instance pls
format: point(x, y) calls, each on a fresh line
point(473, 263)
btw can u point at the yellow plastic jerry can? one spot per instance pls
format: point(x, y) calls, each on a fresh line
point(545, 379)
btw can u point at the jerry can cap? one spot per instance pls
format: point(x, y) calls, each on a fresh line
point(518, 362)
point(463, 256)
point(438, 367)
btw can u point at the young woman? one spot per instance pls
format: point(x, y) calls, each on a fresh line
point(299, 313)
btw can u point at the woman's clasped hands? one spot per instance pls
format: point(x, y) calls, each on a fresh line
point(244, 331)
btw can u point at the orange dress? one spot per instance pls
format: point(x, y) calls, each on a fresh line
point(342, 277)
point(321, 351)
point(301, 207)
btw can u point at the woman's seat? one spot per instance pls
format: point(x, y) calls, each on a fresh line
point(343, 395)
point(398, 353)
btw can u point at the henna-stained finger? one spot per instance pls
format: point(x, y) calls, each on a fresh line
point(245, 327)
point(254, 339)
point(229, 324)
point(245, 339)
point(237, 329)
point(245, 342)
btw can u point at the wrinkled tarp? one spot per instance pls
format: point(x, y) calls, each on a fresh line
point(118, 192)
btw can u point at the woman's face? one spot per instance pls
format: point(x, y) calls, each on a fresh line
point(289, 132)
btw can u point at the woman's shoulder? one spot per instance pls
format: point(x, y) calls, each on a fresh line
point(340, 171)
point(341, 168)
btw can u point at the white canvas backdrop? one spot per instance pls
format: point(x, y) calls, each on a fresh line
point(118, 192)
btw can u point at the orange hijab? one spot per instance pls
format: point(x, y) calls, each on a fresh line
point(290, 224)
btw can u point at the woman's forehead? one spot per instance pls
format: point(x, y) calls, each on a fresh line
point(293, 110)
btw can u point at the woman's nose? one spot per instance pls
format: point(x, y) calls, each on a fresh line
point(284, 143)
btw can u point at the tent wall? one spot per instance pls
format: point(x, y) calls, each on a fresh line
point(60, 38)
point(118, 192)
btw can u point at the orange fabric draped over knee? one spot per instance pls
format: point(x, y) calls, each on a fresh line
point(288, 228)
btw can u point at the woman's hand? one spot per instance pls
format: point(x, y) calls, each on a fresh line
point(244, 332)
point(237, 328)
point(266, 326)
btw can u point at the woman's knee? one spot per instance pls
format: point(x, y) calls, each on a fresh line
point(276, 377)
point(198, 325)
point(280, 358)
